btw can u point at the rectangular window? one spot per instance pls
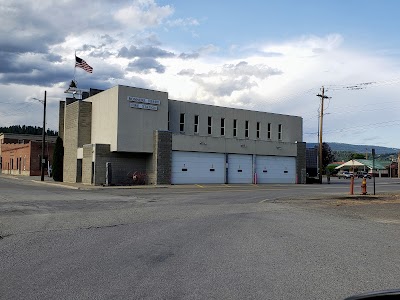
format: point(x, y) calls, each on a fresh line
point(235, 128)
point(209, 125)
point(258, 130)
point(246, 129)
point(280, 132)
point(182, 123)
point(222, 126)
point(269, 131)
point(168, 122)
point(196, 124)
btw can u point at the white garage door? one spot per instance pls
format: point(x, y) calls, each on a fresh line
point(197, 167)
point(276, 169)
point(240, 168)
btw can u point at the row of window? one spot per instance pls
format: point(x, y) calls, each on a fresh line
point(222, 127)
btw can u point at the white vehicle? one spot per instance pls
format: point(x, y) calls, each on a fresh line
point(345, 175)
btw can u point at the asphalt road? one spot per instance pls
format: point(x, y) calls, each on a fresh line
point(197, 242)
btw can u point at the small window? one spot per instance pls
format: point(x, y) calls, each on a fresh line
point(246, 129)
point(222, 126)
point(168, 121)
point(182, 123)
point(209, 125)
point(235, 128)
point(280, 132)
point(269, 131)
point(258, 130)
point(196, 124)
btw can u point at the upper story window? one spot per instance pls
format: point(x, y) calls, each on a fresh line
point(269, 131)
point(246, 129)
point(209, 124)
point(280, 132)
point(222, 126)
point(196, 124)
point(182, 123)
point(235, 128)
point(258, 130)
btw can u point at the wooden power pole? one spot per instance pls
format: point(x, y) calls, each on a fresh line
point(321, 117)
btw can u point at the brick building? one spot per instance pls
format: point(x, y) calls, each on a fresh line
point(20, 154)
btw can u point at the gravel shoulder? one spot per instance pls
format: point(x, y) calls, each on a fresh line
point(384, 208)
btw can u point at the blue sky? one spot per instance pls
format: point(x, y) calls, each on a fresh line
point(261, 55)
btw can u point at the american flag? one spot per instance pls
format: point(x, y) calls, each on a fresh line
point(80, 63)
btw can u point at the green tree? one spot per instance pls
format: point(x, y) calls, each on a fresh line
point(58, 160)
point(327, 156)
point(357, 155)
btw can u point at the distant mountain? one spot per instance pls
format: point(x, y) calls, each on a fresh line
point(357, 148)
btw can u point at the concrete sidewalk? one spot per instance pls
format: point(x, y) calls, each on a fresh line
point(78, 186)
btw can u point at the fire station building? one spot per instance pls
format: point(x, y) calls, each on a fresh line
point(133, 130)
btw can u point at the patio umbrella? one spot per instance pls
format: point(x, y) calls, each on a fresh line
point(351, 163)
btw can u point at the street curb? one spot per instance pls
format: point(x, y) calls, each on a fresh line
point(57, 184)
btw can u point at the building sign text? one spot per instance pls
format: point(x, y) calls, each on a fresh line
point(143, 100)
point(143, 106)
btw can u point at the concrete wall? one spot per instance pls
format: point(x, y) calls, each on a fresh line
point(124, 128)
point(136, 126)
point(301, 163)
point(123, 165)
point(77, 126)
point(162, 157)
point(291, 125)
point(87, 161)
point(241, 146)
point(105, 118)
point(61, 115)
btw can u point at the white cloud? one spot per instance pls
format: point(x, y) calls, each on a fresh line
point(142, 14)
point(183, 22)
point(38, 53)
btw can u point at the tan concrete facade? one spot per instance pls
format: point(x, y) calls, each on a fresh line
point(137, 130)
point(77, 132)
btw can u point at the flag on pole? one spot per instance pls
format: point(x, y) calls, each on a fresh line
point(80, 63)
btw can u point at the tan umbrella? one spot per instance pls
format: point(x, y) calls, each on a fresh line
point(351, 163)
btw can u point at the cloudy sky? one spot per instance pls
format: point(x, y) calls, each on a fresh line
point(258, 54)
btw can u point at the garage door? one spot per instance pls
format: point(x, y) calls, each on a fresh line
point(276, 169)
point(197, 167)
point(240, 168)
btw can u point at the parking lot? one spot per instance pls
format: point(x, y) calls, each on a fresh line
point(197, 241)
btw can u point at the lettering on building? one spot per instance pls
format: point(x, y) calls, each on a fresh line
point(143, 106)
point(143, 100)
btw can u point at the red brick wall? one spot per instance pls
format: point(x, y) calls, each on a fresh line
point(10, 153)
point(30, 158)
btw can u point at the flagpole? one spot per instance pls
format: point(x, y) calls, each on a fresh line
point(75, 65)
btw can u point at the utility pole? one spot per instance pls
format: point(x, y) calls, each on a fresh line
point(373, 167)
point(43, 164)
point(321, 117)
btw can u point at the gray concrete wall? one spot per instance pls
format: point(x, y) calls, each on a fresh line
point(136, 126)
point(162, 157)
point(291, 125)
point(301, 163)
point(87, 164)
point(61, 114)
point(241, 146)
point(123, 165)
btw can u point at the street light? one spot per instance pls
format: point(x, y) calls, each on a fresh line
point(43, 163)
